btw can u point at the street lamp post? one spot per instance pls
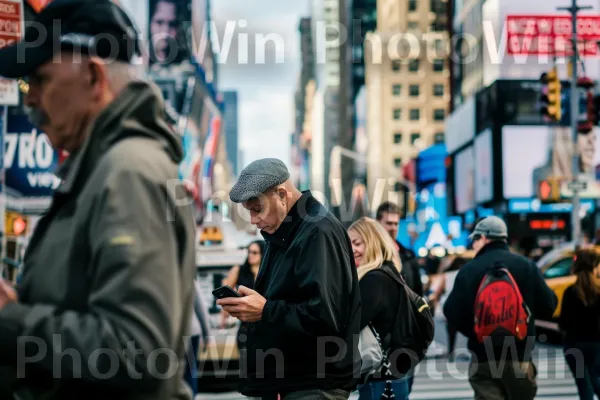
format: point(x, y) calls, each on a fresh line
point(575, 187)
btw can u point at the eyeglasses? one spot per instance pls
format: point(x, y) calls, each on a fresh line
point(23, 86)
point(476, 237)
point(254, 252)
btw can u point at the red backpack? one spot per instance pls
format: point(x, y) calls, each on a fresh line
point(500, 311)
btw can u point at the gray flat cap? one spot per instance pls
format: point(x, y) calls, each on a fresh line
point(491, 227)
point(258, 177)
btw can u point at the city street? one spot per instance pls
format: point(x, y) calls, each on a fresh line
point(437, 379)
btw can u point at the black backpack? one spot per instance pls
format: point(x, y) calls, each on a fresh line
point(413, 329)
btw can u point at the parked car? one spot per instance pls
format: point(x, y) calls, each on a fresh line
point(556, 267)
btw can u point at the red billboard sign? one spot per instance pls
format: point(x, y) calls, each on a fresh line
point(10, 22)
point(551, 35)
point(11, 26)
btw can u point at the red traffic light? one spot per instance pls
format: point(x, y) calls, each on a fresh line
point(585, 82)
point(19, 226)
point(545, 190)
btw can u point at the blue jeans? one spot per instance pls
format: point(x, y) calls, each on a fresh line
point(191, 372)
point(583, 359)
point(374, 390)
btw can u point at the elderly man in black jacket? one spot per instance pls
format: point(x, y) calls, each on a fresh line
point(304, 316)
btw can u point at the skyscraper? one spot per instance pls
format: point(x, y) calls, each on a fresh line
point(230, 100)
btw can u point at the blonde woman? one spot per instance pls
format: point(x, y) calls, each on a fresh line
point(373, 247)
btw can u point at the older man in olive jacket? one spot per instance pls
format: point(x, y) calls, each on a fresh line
point(103, 307)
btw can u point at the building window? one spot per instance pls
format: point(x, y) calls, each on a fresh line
point(413, 65)
point(440, 46)
point(414, 137)
point(397, 113)
point(412, 5)
point(439, 115)
point(396, 90)
point(437, 26)
point(414, 90)
point(413, 25)
point(397, 138)
point(395, 65)
point(438, 7)
point(415, 114)
point(438, 66)
point(439, 137)
point(398, 162)
point(438, 90)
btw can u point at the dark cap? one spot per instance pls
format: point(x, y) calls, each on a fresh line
point(258, 177)
point(93, 27)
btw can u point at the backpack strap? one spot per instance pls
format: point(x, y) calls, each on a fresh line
point(391, 271)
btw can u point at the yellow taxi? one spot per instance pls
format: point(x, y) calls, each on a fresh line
point(556, 268)
point(211, 235)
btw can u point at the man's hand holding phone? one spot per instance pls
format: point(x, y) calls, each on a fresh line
point(247, 308)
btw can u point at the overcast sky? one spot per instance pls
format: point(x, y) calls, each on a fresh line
point(265, 91)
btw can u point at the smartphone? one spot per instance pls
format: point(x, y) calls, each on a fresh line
point(224, 292)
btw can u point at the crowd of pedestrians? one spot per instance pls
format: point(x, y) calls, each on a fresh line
point(111, 267)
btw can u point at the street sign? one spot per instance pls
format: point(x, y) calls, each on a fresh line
point(551, 35)
point(11, 29)
point(577, 186)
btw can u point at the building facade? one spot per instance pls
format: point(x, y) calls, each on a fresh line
point(407, 84)
point(230, 100)
point(300, 144)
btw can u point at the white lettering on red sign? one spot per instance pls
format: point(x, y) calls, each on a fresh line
point(551, 35)
point(8, 8)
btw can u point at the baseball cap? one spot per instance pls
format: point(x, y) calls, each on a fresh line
point(99, 28)
point(258, 177)
point(491, 227)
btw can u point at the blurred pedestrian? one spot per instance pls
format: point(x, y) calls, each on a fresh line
point(372, 249)
point(580, 323)
point(200, 336)
point(388, 215)
point(244, 275)
point(305, 305)
point(497, 276)
point(443, 290)
point(108, 274)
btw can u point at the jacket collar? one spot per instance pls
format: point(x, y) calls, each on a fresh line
point(284, 235)
point(495, 245)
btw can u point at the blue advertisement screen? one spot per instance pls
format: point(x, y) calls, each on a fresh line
point(29, 159)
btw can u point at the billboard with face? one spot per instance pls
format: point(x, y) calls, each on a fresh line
point(168, 26)
point(533, 154)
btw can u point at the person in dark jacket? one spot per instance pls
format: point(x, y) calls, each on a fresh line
point(388, 215)
point(517, 376)
point(373, 248)
point(108, 275)
point(580, 323)
point(304, 312)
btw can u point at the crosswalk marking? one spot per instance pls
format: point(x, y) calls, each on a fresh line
point(437, 379)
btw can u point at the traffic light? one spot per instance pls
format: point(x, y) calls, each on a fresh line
point(549, 190)
point(596, 109)
point(16, 224)
point(587, 105)
point(551, 96)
